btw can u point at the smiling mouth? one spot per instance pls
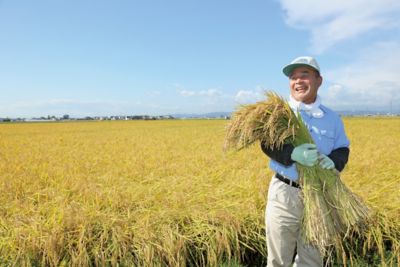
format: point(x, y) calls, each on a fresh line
point(300, 89)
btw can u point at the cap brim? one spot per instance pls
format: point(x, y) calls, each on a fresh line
point(287, 70)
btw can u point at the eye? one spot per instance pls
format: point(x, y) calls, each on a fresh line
point(305, 75)
point(302, 76)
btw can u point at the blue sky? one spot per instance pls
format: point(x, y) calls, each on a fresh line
point(87, 58)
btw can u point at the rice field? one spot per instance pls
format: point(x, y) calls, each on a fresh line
point(163, 193)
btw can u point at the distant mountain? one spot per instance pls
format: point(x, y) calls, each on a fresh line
point(365, 113)
point(228, 114)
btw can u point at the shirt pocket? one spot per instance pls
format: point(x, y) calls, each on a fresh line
point(326, 141)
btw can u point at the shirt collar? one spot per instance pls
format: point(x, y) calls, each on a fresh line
point(312, 109)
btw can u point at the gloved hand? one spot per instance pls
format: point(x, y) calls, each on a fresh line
point(305, 154)
point(325, 162)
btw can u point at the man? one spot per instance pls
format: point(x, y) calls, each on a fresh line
point(284, 206)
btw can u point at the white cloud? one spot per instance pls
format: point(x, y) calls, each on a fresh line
point(333, 21)
point(249, 96)
point(212, 93)
point(60, 103)
point(203, 101)
point(80, 108)
point(59, 107)
point(371, 81)
point(187, 93)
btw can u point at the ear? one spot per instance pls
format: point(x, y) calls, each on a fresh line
point(320, 79)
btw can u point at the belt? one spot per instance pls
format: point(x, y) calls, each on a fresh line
point(287, 181)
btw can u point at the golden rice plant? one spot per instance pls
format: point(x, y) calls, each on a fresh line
point(163, 193)
point(373, 174)
point(331, 210)
point(133, 193)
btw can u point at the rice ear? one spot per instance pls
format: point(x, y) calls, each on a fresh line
point(271, 122)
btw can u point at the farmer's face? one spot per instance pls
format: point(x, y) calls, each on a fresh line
point(304, 83)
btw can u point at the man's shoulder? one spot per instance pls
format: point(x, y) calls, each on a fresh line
point(329, 112)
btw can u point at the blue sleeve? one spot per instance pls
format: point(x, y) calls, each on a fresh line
point(341, 139)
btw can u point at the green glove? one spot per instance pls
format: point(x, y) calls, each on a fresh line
point(305, 154)
point(325, 162)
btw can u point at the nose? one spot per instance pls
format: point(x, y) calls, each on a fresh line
point(298, 80)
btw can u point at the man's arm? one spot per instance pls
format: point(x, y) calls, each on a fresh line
point(282, 155)
point(340, 156)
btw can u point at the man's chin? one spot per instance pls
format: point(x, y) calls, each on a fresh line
point(301, 96)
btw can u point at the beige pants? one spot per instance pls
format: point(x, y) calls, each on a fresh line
point(283, 221)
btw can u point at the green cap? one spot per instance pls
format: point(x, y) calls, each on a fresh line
point(304, 61)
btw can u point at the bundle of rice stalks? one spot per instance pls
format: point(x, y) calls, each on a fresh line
point(331, 210)
point(271, 122)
